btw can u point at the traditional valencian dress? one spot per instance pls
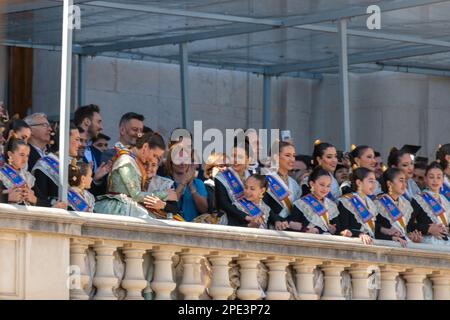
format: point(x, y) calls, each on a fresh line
point(80, 200)
point(254, 209)
point(11, 178)
point(393, 214)
point(445, 190)
point(46, 172)
point(335, 192)
point(411, 190)
point(312, 213)
point(125, 189)
point(357, 215)
point(429, 208)
point(159, 187)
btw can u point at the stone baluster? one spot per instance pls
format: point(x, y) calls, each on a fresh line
point(163, 283)
point(220, 288)
point(249, 288)
point(441, 285)
point(277, 289)
point(332, 280)
point(134, 281)
point(191, 286)
point(305, 278)
point(388, 289)
point(360, 274)
point(104, 279)
point(78, 260)
point(414, 283)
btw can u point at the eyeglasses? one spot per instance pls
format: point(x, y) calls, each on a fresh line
point(44, 124)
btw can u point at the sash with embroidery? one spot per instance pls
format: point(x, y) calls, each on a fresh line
point(364, 213)
point(330, 196)
point(445, 191)
point(393, 211)
point(249, 207)
point(77, 202)
point(54, 166)
point(435, 206)
point(317, 207)
point(278, 190)
point(15, 178)
point(234, 183)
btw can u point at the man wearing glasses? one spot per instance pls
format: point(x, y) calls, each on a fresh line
point(40, 137)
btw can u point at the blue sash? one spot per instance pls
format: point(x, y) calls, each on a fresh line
point(391, 208)
point(317, 207)
point(445, 191)
point(249, 207)
point(234, 184)
point(433, 204)
point(361, 209)
point(77, 202)
point(2, 160)
point(13, 176)
point(54, 165)
point(330, 196)
point(407, 197)
point(277, 188)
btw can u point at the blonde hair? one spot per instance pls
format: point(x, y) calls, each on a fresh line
point(213, 160)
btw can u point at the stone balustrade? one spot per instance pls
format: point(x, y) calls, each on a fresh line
point(55, 254)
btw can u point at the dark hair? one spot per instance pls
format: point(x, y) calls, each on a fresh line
point(130, 116)
point(154, 140)
point(18, 125)
point(395, 155)
point(317, 173)
point(101, 136)
point(261, 179)
point(281, 146)
point(359, 174)
point(433, 165)
point(147, 130)
point(85, 112)
point(443, 151)
point(319, 151)
point(76, 171)
point(54, 147)
point(305, 159)
point(80, 129)
point(377, 154)
point(389, 175)
point(341, 166)
point(237, 143)
point(13, 144)
point(357, 153)
point(421, 165)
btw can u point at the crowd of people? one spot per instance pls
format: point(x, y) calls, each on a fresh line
point(350, 194)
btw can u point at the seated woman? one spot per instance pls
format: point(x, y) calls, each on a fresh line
point(162, 201)
point(80, 179)
point(126, 181)
point(315, 212)
point(432, 209)
point(394, 219)
point(16, 181)
point(191, 192)
point(357, 212)
point(216, 162)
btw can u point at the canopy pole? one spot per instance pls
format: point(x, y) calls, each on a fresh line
point(184, 78)
point(344, 85)
point(267, 101)
point(64, 119)
point(81, 80)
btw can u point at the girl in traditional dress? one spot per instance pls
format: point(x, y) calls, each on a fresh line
point(325, 156)
point(126, 181)
point(16, 181)
point(357, 212)
point(403, 160)
point(432, 209)
point(80, 179)
point(394, 220)
point(443, 157)
point(283, 190)
point(315, 212)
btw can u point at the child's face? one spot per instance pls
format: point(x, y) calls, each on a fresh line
point(253, 190)
point(86, 180)
point(151, 168)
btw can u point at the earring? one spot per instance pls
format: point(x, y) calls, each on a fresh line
point(10, 162)
point(390, 190)
point(312, 189)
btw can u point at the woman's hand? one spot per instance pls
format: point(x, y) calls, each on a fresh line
point(103, 170)
point(332, 228)
point(28, 195)
point(313, 230)
point(416, 236)
point(15, 195)
point(295, 225)
point(437, 230)
point(254, 222)
point(401, 240)
point(281, 225)
point(154, 203)
point(60, 205)
point(347, 233)
point(366, 239)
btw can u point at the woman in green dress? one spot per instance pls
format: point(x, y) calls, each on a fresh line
point(126, 181)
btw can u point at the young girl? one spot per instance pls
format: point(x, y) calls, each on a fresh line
point(403, 160)
point(443, 156)
point(256, 212)
point(315, 212)
point(357, 212)
point(80, 179)
point(394, 220)
point(432, 209)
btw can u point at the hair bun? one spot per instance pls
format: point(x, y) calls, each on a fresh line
point(317, 142)
point(353, 147)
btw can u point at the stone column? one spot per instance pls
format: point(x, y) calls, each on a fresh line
point(191, 286)
point(78, 260)
point(134, 281)
point(305, 278)
point(220, 288)
point(249, 289)
point(163, 283)
point(388, 282)
point(332, 278)
point(277, 289)
point(414, 283)
point(104, 279)
point(441, 285)
point(360, 274)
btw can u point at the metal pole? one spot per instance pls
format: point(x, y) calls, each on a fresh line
point(64, 120)
point(81, 80)
point(267, 99)
point(343, 77)
point(184, 75)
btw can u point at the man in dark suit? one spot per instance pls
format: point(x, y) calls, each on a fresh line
point(40, 137)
